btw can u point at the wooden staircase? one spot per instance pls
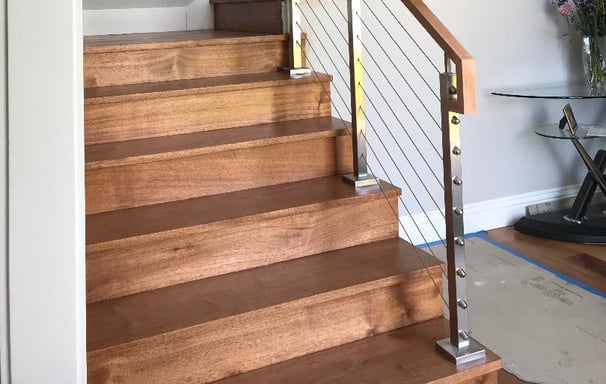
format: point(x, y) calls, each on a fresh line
point(222, 243)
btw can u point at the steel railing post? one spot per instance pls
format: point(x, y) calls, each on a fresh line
point(295, 45)
point(360, 177)
point(460, 347)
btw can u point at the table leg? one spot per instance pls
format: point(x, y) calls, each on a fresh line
point(579, 208)
point(591, 166)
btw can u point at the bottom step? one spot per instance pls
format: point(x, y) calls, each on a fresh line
point(407, 355)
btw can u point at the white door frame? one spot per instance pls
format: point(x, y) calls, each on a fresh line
point(46, 234)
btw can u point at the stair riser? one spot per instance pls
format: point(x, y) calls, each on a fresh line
point(136, 185)
point(155, 65)
point(253, 340)
point(150, 263)
point(258, 16)
point(161, 116)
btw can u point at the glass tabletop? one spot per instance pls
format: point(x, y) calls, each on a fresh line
point(583, 132)
point(579, 91)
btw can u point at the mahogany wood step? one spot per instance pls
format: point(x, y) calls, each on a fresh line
point(152, 57)
point(214, 328)
point(262, 16)
point(139, 249)
point(149, 171)
point(138, 111)
point(406, 356)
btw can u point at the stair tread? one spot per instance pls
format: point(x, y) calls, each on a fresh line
point(406, 355)
point(333, 274)
point(175, 216)
point(119, 93)
point(179, 39)
point(168, 147)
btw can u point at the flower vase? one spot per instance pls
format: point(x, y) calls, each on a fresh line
point(593, 60)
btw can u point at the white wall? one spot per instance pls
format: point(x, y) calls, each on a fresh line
point(103, 17)
point(4, 347)
point(46, 192)
point(516, 44)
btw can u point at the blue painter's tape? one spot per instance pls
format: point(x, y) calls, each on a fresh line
point(484, 236)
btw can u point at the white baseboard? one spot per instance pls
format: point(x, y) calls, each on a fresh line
point(490, 214)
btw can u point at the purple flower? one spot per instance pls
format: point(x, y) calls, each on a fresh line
point(566, 9)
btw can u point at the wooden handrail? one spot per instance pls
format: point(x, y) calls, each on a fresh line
point(466, 74)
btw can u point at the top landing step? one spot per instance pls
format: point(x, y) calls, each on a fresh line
point(178, 39)
point(169, 56)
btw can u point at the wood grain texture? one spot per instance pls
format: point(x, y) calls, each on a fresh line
point(465, 64)
point(233, 245)
point(134, 185)
point(176, 39)
point(489, 378)
point(578, 261)
point(200, 143)
point(145, 66)
point(120, 227)
point(257, 338)
point(369, 266)
point(407, 355)
point(181, 107)
point(132, 92)
point(246, 16)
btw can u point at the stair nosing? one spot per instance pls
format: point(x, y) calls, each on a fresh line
point(395, 274)
point(337, 127)
point(369, 194)
point(238, 38)
point(187, 87)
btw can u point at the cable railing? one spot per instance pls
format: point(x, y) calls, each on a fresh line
point(405, 121)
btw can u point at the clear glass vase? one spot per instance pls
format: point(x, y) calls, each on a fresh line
point(594, 48)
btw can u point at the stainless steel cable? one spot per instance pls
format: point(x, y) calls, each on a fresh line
point(325, 71)
point(326, 50)
point(402, 126)
point(402, 101)
point(410, 189)
point(408, 33)
point(394, 210)
point(392, 39)
point(402, 51)
point(402, 151)
point(395, 66)
point(326, 32)
point(401, 74)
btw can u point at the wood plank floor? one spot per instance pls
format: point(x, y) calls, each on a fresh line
point(583, 262)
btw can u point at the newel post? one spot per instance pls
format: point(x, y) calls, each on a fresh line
point(460, 347)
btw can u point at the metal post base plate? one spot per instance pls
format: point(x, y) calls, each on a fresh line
point(362, 181)
point(475, 351)
point(298, 72)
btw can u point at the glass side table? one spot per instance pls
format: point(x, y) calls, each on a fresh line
point(581, 223)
